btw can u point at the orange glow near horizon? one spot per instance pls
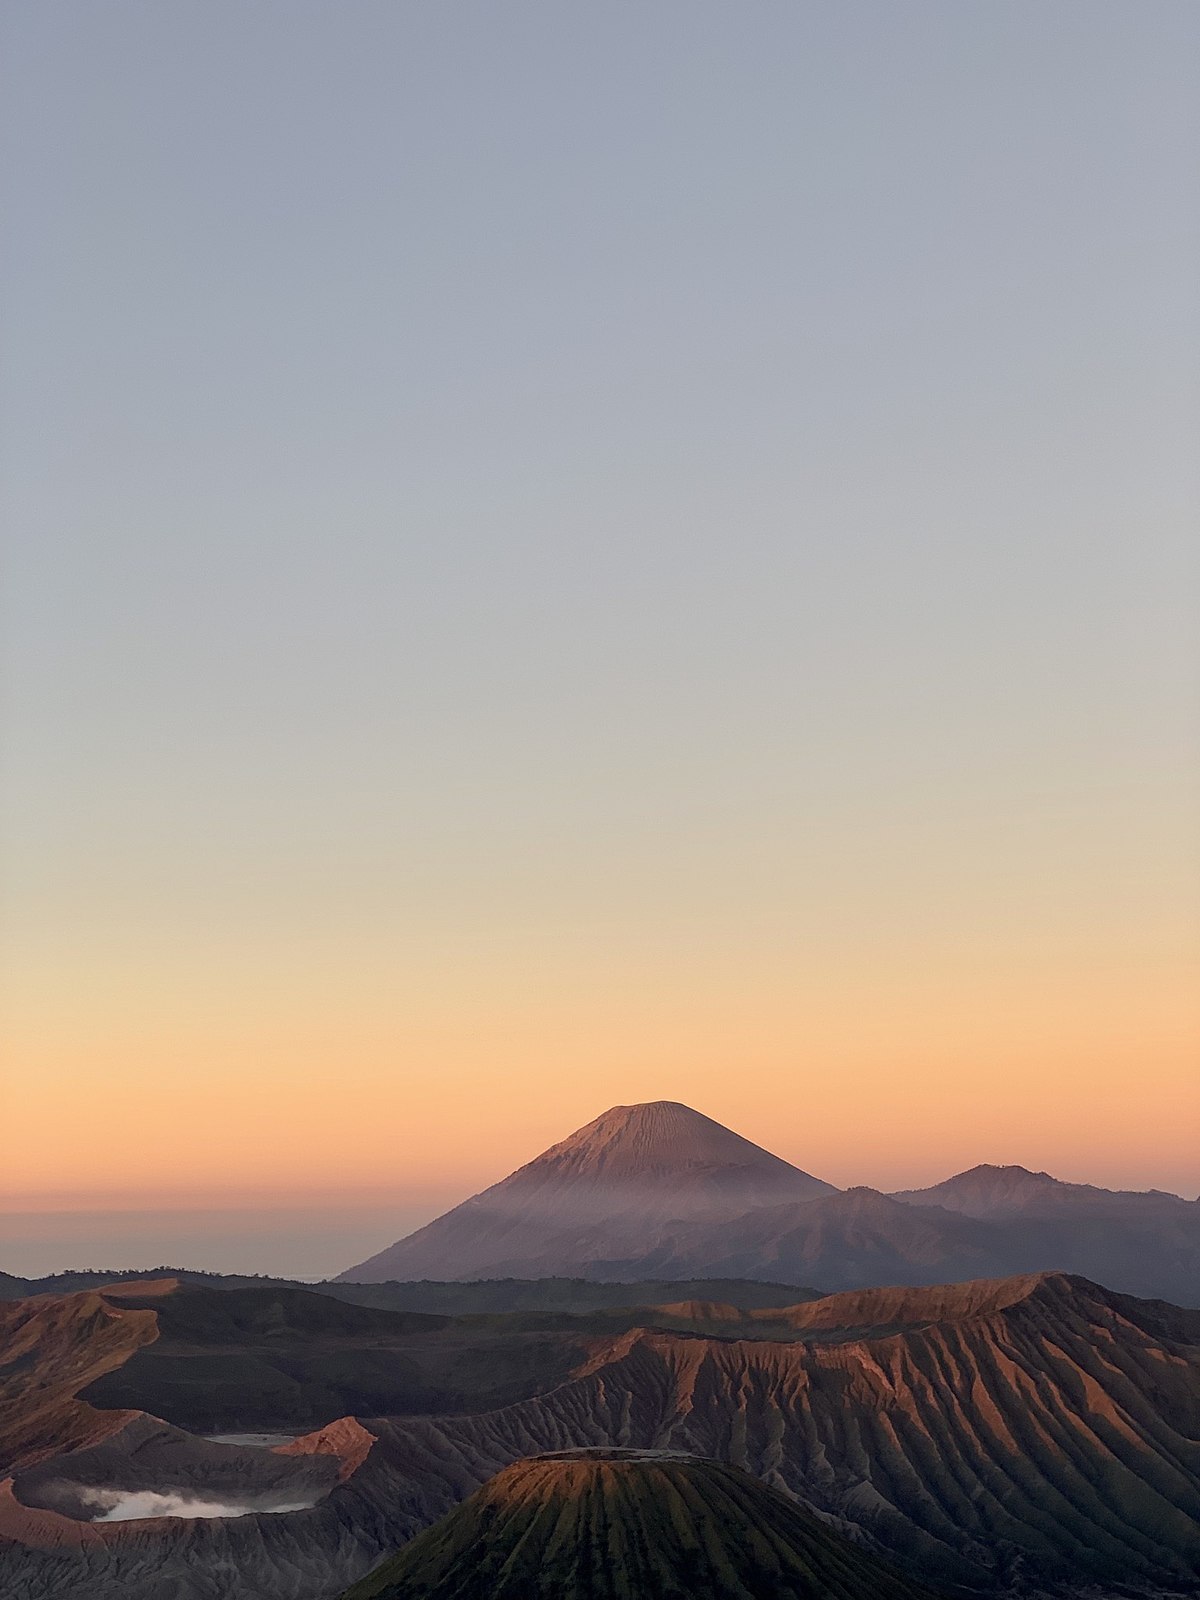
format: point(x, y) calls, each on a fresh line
point(373, 1090)
point(553, 567)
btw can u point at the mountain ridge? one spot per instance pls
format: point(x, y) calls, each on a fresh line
point(990, 1190)
point(661, 1191)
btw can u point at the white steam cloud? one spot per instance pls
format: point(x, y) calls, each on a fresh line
point(130, 1505)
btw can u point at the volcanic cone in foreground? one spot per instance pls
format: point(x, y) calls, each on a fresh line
point(609, 1524)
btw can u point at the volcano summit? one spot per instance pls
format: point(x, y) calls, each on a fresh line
point(659, 1191)
point(605, 1196)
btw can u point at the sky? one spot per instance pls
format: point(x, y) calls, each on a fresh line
point(563, 555)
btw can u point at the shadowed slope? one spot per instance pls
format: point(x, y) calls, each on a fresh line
point(487, 1296)
point(659, 1191)
point(1025, 1433)
point(619, 1525)
point(1144, 1244)
point(843, 1240)
point(49, 1350)
point(572, 1296)
point(981, 1433)
point(607, 1192)
point(76, 1367)
point(235, 1359)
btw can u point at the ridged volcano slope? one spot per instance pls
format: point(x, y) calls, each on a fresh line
point(620, 1525)
point(49, 1350)
point(1023, 1434)
point(982, 1433)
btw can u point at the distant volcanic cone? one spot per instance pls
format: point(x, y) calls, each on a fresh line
point(602, 1198)
point(623, 1525)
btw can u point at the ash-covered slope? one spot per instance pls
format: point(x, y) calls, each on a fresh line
point(1017, 1435)
point(1141, 1244)
point(103, 1394)
point(1024, 1432)
point(50, 1349)
point(610, 1192)
point(850, 1239)
point(625, 1525)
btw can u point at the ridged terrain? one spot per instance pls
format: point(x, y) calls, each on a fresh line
point(619, 1525)
point(50, 1349)
point(983, 1433)
point(609, 1192)
point(1015, 1434)
point(79, 1372)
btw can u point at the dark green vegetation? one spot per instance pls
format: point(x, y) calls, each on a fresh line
point(487, 1296)
point(616, 1525)
point(240, 1359)
point(577, 1296)
point(275, 1356)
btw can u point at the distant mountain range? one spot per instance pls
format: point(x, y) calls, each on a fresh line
point(661, 1191)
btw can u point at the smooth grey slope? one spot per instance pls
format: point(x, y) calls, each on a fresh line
point(860, 1237)
point(611, 1191)
point(659, 1191)
point(992, 1192)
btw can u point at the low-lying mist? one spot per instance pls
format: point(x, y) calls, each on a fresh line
point(130, 1505)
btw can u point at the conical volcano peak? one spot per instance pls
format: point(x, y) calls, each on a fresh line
point(605, 1196)
point(657, 1139)
point(627, 1524)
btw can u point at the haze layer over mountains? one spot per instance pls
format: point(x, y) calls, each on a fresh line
point(1022, 1434)
point(659, 1191)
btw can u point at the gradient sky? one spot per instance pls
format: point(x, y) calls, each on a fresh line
point(562, 555)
